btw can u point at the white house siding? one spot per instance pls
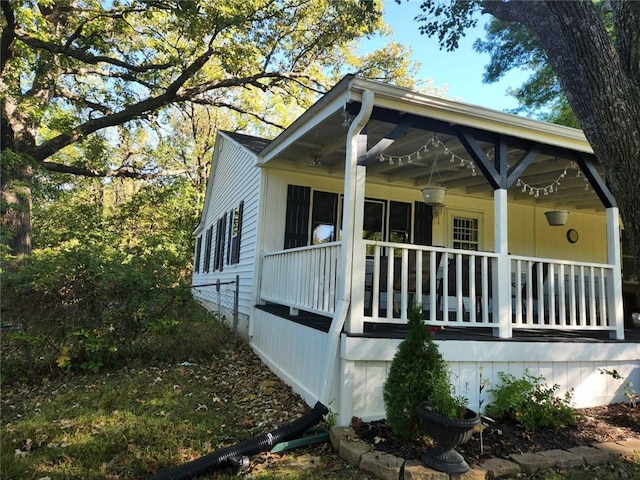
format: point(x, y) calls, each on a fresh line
point(294, 352)
point(366, 361)
point(236, 178)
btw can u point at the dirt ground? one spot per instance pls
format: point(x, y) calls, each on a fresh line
point(596, 425)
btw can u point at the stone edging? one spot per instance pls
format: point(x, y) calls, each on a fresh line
point(389, 467)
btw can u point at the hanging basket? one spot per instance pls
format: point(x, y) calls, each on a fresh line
point(434, 195)
point(556, 217)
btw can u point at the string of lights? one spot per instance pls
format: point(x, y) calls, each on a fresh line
point(553, 186)
point(435, 143)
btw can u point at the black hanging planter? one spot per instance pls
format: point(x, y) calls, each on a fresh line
point(448, 434)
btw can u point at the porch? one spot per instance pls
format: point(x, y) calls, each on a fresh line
point(348, 244)
point(455, 288)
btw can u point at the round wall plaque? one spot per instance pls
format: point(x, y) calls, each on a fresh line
point(572, 235)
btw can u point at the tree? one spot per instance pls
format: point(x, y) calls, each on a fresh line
point(599, 73)
point(512, 45)
point(80, 77)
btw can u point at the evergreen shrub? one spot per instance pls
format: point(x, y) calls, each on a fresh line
point(418, 373)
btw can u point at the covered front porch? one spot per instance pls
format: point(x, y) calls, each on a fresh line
point(361, 245)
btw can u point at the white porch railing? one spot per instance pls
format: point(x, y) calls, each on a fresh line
point(302, 278)
point(454, 287)
point(562, 295)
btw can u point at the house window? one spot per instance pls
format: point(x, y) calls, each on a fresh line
point(324, 217)
point(399, 222)
point(196, 266)
point(235, 228)
point(207, 249)
point(374, 221)
point(230, 231)
point(218, 260)
point(465, 233)
point(315, 217)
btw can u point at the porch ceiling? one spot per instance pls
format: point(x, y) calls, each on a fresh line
point(322, 151)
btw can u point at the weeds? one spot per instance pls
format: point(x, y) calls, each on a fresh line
point(631, 395)
point(530, 402)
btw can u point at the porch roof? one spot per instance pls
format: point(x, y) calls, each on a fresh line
point(409, 131)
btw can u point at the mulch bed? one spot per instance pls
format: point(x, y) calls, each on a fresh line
point(596, 425)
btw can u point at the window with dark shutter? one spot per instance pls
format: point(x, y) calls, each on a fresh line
point(207, 249)
point(196, 263)
point(230, 237)
point(236, 229)
point(399, 222)
point(218, 263)
point(324, 217)
point(296, 232)
point(423, 224)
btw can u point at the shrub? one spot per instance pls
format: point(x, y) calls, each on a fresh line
point(531, 403)
point(91, 306)
point(418, 373)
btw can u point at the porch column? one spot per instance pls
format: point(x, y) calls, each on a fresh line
point(614, 285)
point(355, 321)
point(502, 272)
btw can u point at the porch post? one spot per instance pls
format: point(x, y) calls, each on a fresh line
point(614, 285)
point(502, 272)
point(355, 321)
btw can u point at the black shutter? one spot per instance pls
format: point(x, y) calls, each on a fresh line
point(296, 230)
point(423, 224)
point(236, 239)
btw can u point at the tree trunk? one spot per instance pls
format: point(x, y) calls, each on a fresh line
point(601, 89)
point(16, 208)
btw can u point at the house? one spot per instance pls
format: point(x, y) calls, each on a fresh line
point(332, 235)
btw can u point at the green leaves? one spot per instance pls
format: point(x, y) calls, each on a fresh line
point(418, 373)
point(531, 403)
point(447, 20)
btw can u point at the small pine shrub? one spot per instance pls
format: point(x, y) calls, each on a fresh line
point(418, 373)
point(531, 403)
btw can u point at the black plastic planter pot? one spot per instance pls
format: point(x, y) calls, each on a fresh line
point(448, 434)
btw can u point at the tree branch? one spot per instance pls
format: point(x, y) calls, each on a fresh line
point(108, 74)
point(189, 93)
point(626, 16)
point(8, 34)
point(122, 172)
point(85, 57)
point(214, 103)
point(137, 110)
point(69, 95)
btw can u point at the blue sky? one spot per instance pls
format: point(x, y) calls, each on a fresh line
point(462, 69)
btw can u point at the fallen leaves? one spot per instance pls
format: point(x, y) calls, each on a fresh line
point(181, 410)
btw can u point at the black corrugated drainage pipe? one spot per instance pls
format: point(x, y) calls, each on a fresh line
point(222, 458)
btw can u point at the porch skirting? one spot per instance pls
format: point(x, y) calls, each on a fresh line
point(296, 353)
point(293, 351)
